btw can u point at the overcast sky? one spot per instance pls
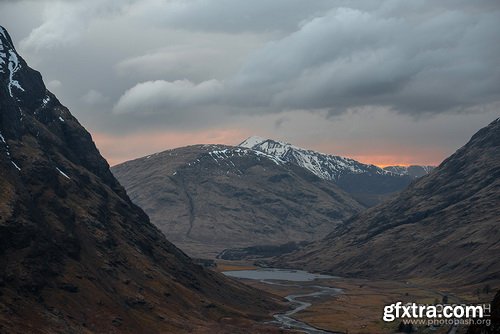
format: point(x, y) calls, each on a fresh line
point(384, 82)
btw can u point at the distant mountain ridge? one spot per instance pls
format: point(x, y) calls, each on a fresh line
point(414, 171)
point(325, 166)
point(368, 184)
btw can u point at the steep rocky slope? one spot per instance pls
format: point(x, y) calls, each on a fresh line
point(207, 198)
point(76, 255)
point(445, 225)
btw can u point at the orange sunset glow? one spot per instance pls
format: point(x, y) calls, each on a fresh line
point(120, 148)
point(117, 149)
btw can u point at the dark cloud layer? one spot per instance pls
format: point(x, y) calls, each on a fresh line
point(411, 58)
point(135, 66)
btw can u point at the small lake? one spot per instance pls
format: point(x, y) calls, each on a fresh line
point(276, 274)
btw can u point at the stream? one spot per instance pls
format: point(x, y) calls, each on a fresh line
point(276, 277)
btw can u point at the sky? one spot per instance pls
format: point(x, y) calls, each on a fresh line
point(384, 82)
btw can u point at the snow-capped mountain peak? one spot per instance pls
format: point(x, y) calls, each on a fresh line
point(19, 82)
point(9, 62)
point(252, 141)
point(325, 166)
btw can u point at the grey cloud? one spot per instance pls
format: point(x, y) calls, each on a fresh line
point(163, 96)
point(93, 97)
point(53, 84)
point(352, 58)
point(65, 21)
point(153, 64)
point(230, 15)
point(431, 60)
point(214, 56)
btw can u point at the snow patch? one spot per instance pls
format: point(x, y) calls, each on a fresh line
point(9, 57)
point(17, 167)
point(45, 101)
point(63, 174)
point(14, 66)
point(225, 156)
point(252, 141)
point(7, 149)
point(3, 57)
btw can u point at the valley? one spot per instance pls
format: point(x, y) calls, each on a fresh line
point(434, 241)
point(350, 305)
point(374, 189)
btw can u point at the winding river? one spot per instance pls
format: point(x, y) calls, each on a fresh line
point(277, 277)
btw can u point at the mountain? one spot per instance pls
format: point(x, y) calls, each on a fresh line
point(414, 171)
point(445, 225)
point(207, 198)
point(368, 184)
point(76, 255)
point(328, 167)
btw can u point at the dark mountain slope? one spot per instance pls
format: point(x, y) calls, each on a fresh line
point(207, 198)
point(76, 255)
point(445, 225)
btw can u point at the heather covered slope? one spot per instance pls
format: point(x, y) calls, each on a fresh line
point(445, 225)
point(207, 198)
point(76, 255)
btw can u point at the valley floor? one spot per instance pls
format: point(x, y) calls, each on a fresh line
point(359, 308)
